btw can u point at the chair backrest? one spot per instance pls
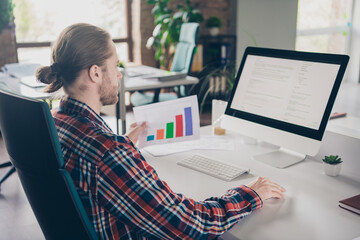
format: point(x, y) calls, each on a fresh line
point(32, 142)
point(185, 49)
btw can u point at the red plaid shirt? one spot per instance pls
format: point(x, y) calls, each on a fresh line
point(123, 195)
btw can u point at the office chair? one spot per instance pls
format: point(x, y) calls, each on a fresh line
point(32, 143)
point(8, 173)
point(184, 53)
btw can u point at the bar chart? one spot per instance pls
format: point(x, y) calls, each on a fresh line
point(175, 129)
point(171, 121)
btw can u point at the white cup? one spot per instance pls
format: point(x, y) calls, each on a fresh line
point(218, 109)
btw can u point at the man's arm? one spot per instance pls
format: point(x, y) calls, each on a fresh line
point(131, 190)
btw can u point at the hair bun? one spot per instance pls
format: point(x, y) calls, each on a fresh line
point(56, 69)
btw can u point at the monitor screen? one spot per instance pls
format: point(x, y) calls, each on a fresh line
point(292, 92)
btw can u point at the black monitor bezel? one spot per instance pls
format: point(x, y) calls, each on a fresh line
point(316, 134)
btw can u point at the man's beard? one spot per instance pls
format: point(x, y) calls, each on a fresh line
point(108, 93)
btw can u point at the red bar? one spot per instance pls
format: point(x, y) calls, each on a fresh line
point(179, 125)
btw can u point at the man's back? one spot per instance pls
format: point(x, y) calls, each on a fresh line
point(123, 195)
point(85, 139)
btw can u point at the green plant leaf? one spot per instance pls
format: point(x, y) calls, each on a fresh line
point(156, 30)
point(164, 39)
point(213, 22)
point(178, 15)
point(332, 159)
point(158, 54)
point(150, 42)
point(151, 2)
point(204, 99)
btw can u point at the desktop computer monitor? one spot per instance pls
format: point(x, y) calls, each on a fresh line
point(284, 98)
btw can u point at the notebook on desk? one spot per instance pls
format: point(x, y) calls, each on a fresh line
point(167, 76)
point(351, 204)
point(151, 73)
point(20, 70)
point(140, 71)
point(31, 81)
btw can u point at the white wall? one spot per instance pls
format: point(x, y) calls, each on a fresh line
point(353, 72)
point(271, 22)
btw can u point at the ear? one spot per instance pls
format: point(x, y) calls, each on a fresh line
point(95, 74)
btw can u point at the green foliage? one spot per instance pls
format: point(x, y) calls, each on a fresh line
point(6, 13)
point(213, 22)
point(121, 64)
point(166, 33)
point(24, 19)
point(333, 160)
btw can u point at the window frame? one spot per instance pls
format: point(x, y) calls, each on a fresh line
point(337, 29)
point(128, 39)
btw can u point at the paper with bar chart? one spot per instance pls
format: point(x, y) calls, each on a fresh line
point(170, 121)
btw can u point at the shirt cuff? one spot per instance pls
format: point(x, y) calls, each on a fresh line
point(251, 196)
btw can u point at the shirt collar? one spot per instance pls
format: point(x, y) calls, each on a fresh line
point(73, 107)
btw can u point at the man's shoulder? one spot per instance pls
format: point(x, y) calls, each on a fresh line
point(81, 134)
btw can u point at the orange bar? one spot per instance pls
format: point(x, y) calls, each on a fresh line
point(160, 134)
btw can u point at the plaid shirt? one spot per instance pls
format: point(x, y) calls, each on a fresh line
point(123, 195)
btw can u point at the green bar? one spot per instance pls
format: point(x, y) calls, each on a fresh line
point(170, 130)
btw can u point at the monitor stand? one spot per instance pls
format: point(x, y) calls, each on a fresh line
point(280, 158)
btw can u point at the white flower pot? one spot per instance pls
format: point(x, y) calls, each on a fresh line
point(332, 170)
point(214, 31)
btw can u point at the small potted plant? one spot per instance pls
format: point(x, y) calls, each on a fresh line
point(213, 24)
point(332, 165)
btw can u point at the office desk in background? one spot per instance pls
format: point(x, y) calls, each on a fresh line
point(138, 83)
point(130, 84)
point(308, 211)
point(13, 85)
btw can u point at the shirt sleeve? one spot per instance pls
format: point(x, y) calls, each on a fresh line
point(130, 189)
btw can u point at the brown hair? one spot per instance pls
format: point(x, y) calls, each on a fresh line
point(78, 47)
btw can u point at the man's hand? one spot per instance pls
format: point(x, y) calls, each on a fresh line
point(135, 131)
point(266, 189)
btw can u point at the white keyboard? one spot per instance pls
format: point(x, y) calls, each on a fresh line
point(212, 167)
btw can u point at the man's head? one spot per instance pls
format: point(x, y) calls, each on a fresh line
point(83, 58)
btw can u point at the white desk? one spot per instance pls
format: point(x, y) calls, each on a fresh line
point(308, 211)
point(13, 85)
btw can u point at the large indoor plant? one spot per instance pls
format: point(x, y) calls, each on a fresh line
point(8, 53)
point(168, 22)
point(6, 13)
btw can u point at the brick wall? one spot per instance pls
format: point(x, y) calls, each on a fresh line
point(8, 53)
point(220, 8)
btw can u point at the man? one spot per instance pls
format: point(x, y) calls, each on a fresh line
point(122, 194)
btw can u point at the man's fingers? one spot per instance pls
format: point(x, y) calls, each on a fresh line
point(277, 195)
point(277, 186)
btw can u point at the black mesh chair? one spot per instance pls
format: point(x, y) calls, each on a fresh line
point(32, 143)
point(8, 173)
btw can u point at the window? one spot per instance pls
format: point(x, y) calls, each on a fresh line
point(324, 26)
point(39, 22)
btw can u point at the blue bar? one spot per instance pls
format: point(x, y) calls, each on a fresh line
point(150, 137)
point(188, 122)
